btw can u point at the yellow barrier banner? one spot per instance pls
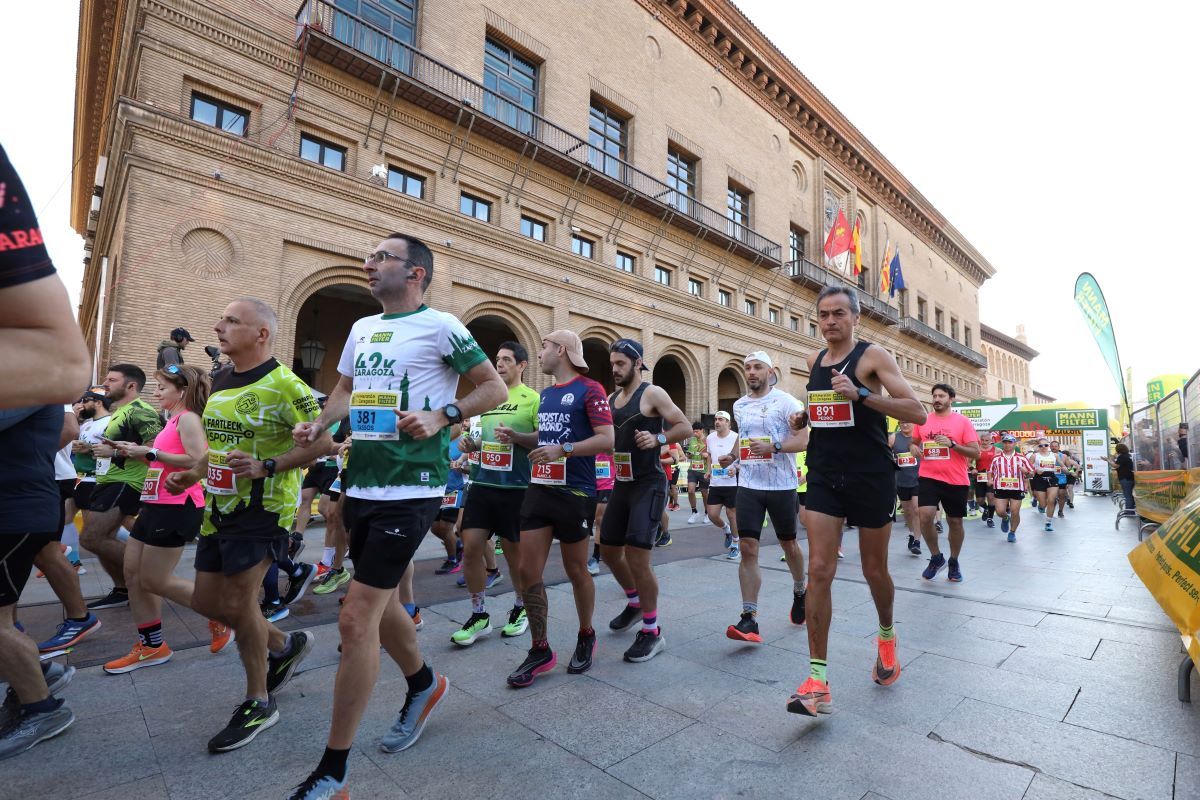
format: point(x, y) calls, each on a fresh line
point(1159, 492)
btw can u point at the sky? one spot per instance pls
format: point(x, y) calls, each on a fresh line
point(1056, 137)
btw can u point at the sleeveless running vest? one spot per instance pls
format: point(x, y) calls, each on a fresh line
point(154, 488)
point(627, 421)
point(862, 447)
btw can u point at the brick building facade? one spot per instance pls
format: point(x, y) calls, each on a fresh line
point(633, 168)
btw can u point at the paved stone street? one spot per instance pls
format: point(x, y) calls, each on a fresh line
point(1048, 673)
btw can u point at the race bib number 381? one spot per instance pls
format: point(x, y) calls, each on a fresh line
point(830, 410)
point(373, 415)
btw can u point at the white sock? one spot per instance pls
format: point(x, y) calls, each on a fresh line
point(327, 556)
point(123, 533)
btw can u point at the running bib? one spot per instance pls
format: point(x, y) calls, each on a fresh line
point(906, 460)
point(151, 484)
point(933, 451)
point(476, 456)
point(696, 465)
point(551, 473)
point(102, 465)
point(624, 462)
point(336, 486)
point(830, 410)
point(221, 479)
point(497, 456)
point(373, 416)
point(450, 500)
point(720, 472)
point(1008, 484)
point(981, 477)
point(603, 470)
point(746, 455)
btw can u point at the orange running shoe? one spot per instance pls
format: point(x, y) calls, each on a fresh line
point(140, 656)
point(887, 667)
point(321, 570)
point(811, 698)
point(222, 636)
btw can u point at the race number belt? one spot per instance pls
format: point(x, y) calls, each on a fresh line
point(476, 456)
point(221, 479)
point(720, 472)
point(373, 416)
point(1008, 484)
point(103, 465)
point(981, 477)
point(551, 473)
point(151, 483)
point(830, 410)
point(747, 456)
point(496, 456)
point(696, 465)
point(624, 462)
point(933, 451)
point(906, 460)
point(450, 500)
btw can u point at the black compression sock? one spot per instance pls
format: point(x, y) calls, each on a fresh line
point(420, 680)
point(333, 763)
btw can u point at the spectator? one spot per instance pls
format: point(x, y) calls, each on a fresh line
point(170, 351)
point(1183, 445)
point(1123, 463)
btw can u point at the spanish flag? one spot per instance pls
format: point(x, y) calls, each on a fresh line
point(856, 248)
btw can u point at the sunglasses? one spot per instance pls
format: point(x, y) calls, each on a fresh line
point(1043, 445)
point(173, 369)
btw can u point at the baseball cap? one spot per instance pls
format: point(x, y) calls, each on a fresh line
point(630, 348)
point(1008, 437)
point(569, 340)
point(90, 395)
point(182, 333)
point(723, 415)
point(759, 355)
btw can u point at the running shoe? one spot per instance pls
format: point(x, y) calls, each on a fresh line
point(458, 550)
point(887, 666)
point(1049, 527)
point(69, 633)
point(746, 629)
point(478, 625)
point(222, 636)
point(1061, 515)
point(728, 538)
point(811, 698)
point(797, 615)
point(295, 545)
point(645, 646)
point(936, 564)
point(322, 570)
point(673, 507)
point(628, 616)
point(57, 677)
point(518, 623)
point(448, 566)
point(1070, 504)
point(273, 612)
point(693, 518)
point(297, 584)
point(537, 662)
point(249, 720)
point(140, 656)
point(494, 579)
point(31, 728)
point(461, 582)
point(914, 545)
point(841, 555)
point(735, 553)
point(321, 787)
point(114, 599)
point(953, 573)
point(581, 659)
point(333, 580)
point(991, 523)
point(413, 716)
point(938, 526)
point(1012, 537)
point(1004, 524)
point(593, 566)
point(418, 623)
point(281, 669)
point(499, 549)
point(664, 541)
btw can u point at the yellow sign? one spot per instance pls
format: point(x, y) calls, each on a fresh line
point(1161, 386)
point(1077, 418)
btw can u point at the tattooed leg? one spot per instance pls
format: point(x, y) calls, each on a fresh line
point(536, 606)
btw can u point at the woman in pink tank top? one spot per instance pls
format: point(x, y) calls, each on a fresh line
point(167, 521)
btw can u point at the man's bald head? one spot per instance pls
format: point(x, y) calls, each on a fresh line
point(257, 313)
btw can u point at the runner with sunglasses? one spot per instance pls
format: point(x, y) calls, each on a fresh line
point(1045, 482)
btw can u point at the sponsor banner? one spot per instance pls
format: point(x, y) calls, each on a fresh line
point(1160, 492)
point(984, 416)
point(1097, 475)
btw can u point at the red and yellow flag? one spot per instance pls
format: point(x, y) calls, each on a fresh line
point(856, 248)
point(837, 244)
point(885, 274)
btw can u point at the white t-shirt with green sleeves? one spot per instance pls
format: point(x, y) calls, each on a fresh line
point(410, 362)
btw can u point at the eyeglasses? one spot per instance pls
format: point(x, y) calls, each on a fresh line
point(1043, 445)
point(173, 369)
point(381, 256)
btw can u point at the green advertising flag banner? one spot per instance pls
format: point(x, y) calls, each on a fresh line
point(1095, 311)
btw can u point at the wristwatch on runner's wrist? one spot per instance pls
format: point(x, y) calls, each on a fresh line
point(778, 447)
point(452, 413)
point(152, 454)
point(662, 438)
point(863, 393)
point(269, 466)
point(568, 447)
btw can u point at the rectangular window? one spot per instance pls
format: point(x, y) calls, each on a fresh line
point(773, 316)
point(954, 329)
point(794, 324)
point(797, 241)
point(534, 229)
point(322, 152)
point(625, 262)
point(737, 211)
point(922, 310)
point(751, 308)
point(863, 277)
point(967, 335)
point(406, 182)
point(582, 247)
point(812, 329)
point(724, 297)
point(218, 114)
point(681, 177)
point(475, 207)
point(695, 287)
point(511, 83)
point(662, 275)
point(606, 141)
point(939, 319)
point(902, 301)
point(384, 18)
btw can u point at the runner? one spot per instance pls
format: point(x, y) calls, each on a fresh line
point(30, 713)
point(1065, 478)
point(722, 483)
point(93, 421)
point(984, 497)
point(1045, 483)
point(697, 478)
point(168, 521)
point(253, 480)
point(1008, 472)
point(851, 479)
point(769, 434)
point(644, 420)
point(119, 480)
point(445, 523)
point(671, 456)
point(331, 571)
point(906, 482)
point(408, 358)
point(597, 507)
point(946, 443)
point(498, 483)
point(574, 424)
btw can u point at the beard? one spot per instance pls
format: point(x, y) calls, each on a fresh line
point(87, 413)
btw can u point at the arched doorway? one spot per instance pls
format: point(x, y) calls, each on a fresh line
point(490, 330)
point(325, 319)
point(729, 389)
point(668, 374)
point(595, 353)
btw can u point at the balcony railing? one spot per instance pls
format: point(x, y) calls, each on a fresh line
point(809, 274)
point(363, 50)
point(914, 327)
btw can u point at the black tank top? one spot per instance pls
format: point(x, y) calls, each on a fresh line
point(627, 421)
point(861, 448)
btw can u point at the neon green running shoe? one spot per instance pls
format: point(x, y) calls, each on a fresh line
point(518, 622)
point(478, 625)
point(332, 581)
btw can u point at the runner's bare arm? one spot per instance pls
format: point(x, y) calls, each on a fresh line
point(245, 466)
point(526, 440)
point(70, 429)
point(675, 425)
point(489, 392)
point(43, 358)
point(601, 441)
point(337, 406)
point(901, 402)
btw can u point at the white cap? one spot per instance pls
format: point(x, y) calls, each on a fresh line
point(759, 355)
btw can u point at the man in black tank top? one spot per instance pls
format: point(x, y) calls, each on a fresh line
point(640, 413)
point(851, 478)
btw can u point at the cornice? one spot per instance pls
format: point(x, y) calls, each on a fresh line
point(726, 38)
point(1006, 342)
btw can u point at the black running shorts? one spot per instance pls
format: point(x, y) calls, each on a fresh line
point(951, 496)
point(83, 494)
point(385, 535)
point(1009, 494)
point(863, 499)
point(17, 551)
point(107, 496)
point(320, 477)
point(562, 511)
point(495, 510)
point(906, 492)
point(168, 524)
point(634, 514)
point(755, 505)
point(981, 489)
point(723, 496)
point(231, 555)
point(1039, 483)
point(697, 477)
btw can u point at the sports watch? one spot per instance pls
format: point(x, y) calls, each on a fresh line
point(269, 466)
point(152, 454)
point(863, 393)
point(568, 447)
point(452, 413)
point(778, 447)
point(662, 438)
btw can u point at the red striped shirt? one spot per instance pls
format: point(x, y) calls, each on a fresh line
point(1009, 466)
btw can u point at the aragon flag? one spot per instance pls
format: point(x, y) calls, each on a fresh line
point(837, 244)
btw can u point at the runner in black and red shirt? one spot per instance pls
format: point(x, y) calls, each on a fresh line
point(984, 500)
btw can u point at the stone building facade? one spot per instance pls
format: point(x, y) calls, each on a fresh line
point(645, 168)
point(1008, 365)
